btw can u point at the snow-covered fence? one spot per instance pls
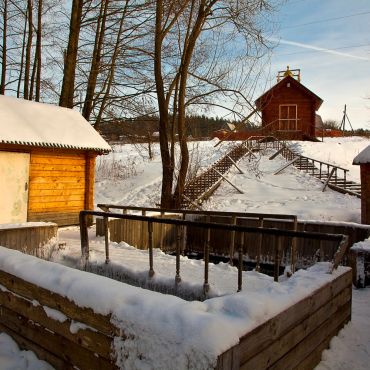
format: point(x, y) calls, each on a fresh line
point(55, 328)
point(296, 337)
point(28, 237)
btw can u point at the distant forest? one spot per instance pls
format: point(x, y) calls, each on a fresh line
point(143, 128)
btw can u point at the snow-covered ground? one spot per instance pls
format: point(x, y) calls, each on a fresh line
point(135, 180)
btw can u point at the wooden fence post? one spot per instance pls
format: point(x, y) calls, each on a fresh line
point(178, 251)
point(84, 240)
point(240, 262)
point(232, 242)
point(106, 238)
point(150, 247)
point(277, 257)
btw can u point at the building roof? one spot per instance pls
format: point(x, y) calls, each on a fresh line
point(292, 80)
point(24, 122)
point(362, 157)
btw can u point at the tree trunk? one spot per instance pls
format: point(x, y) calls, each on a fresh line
point(95, 63)
point(28, 51)
point(69, 73)
point(3, 57)
point(38, 51)
point(167, 169)
point(22, 55)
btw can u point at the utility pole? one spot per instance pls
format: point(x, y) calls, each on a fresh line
point(345, 117)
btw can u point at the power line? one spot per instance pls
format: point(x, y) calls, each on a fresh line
point(320, 51)
point(327, 20)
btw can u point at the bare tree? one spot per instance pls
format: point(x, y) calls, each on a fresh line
point(4, 47)
point(187, 72)
point(70, 59)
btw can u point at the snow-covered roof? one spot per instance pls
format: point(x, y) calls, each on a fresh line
point(363, 157)
point(25, 122)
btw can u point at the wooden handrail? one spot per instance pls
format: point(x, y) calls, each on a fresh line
point(341, 239)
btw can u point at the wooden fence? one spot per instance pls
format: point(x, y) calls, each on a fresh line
point(28, 238)
point(258, 247)
point(292, 339)
point(52, 340)
point(296, 337)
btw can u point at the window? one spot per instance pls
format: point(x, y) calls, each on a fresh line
point(288, 117)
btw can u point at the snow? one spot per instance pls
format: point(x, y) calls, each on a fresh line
point(190, 328)
point(25, 225)
point(363, 157)
point(350, 349)
point(12, 358)
point(30, 123)
point(175, 333)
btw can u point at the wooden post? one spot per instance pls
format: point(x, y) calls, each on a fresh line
point(240, 262)
point(184, 235)
point(150, 247)
point(106, 238)
point(178, 250)
point(84, 240)
point(293, 253)
point(328, 179)
point(206, 259)
point(259, 250)
point(142, 237)
point(232, 242)
point(277, 257)
point(161, 234)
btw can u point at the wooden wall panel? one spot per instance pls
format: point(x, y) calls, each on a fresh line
point(57, 186)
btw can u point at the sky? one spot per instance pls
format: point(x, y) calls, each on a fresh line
point(329, 41)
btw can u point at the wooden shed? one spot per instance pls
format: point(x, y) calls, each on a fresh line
point(47, 162)
point(289, 108)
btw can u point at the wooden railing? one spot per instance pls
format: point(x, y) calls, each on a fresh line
point(331, 175)
point(201, 187)
point(240, 231)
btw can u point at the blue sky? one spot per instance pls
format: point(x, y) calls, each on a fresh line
point(340, 75)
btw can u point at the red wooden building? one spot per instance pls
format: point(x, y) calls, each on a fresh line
point(289, 108)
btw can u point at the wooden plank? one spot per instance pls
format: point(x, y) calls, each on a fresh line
point(47, 298)
point(59, 174)
point(40, 352)
point(53, 342)
point(229, 360)
point(333, 324)
point(56, 198)
point(63, 186)
point(56, 167)
point(55, 179)
point(65, 204)
point(67, 191)
point(266, 334)
point(286, 342)
point(90, 339)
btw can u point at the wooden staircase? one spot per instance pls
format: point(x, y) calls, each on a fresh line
point(332, 176)
point(201, 187)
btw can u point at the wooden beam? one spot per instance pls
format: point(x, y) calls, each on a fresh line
point(287, 165)
point(234, 186)
point(233, 162)
point(328, 179)
point(277, 153)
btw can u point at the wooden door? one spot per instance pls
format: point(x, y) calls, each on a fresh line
point(14, 174)
point(288, 117)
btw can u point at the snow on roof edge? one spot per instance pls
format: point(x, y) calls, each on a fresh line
point(362, 157)
point(29, 123)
